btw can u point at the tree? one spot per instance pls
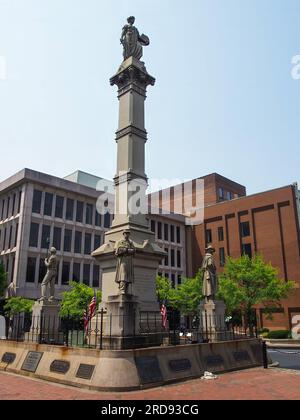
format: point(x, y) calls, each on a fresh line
point(246, 282)
point(3, 280)
point(187, 296)
point(76, 301)
point(164, 290)
point(17, 305)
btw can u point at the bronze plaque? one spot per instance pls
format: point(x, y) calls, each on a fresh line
point(32, 361)
point(180, 365)
point(85, 371)
point(241, 356)
point(8, 358)
point(214, 360)
point(60, 366)
point(148, 369)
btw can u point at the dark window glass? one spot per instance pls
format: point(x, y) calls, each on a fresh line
point(222, 256)
point(179, 279)
point(173, 280)
point(65, 275)
point(178, 258)
point(107, 220)
point(89, 214)
point(87, 243)
point(67, 240)
point(97, 241)
point(42, 270)
point(30, 273)
point(166, 232)
point(86, 274)
point(78, 241)
point(159, 274)
point(79, 211)
point(166, 275)
point(221, 193)
point(13, 205)
point(167, 256)
point(45, 237)
point(245, 229)
point(96, 275)
point(221, 233)
point(70, 209)
point(12, 268)
point(7, 208)
point(172, 233)
point(76, 272)
point(10, 237)
point(2, 209)
point(178, 234)
point(97, 218)
point(208, 236)
point(19, 202)
point(59, 207)
point(16, 234)
point(48, 204)
point(172, 258)
point(37, 201)
point(159, 233)
point(34, 235)
point(247, 250)
point(153, 226)
point(4, 240)
point(57, 238)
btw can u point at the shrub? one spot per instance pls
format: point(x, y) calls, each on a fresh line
point(264, 330)
point(279, 335)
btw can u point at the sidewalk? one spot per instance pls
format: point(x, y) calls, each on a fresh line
point(273, 384)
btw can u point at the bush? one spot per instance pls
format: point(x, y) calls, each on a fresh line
point(264, 330)
point(279, 335)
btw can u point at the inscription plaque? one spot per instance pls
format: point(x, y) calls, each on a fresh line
point(180, 365)
point(32, 361)
point(148, 369)
point(85, 371)
point(8, 358)
point(214, 360)
point(241, 356)
point(60, 366)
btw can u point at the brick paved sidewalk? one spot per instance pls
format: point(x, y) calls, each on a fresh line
point(251, 384)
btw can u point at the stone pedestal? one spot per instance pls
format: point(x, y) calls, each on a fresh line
point(45, 324)
point(212, 321)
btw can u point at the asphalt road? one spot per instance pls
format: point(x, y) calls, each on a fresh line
point(287, 358)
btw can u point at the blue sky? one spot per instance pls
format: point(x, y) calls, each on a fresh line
point(224, 100)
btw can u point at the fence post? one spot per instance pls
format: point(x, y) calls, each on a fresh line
point(101, 329)
point(265, 355)
point(67, 330)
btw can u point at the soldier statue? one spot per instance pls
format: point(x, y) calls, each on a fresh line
point(49, 279)
point(210, 280)
point(132, 41)
point(125, 251)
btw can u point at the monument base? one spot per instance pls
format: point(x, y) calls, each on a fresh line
point(212, 321)
point(45, 324)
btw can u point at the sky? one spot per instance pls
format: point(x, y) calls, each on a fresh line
point(224, 101)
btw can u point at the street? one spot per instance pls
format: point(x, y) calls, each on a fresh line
point(287, 358)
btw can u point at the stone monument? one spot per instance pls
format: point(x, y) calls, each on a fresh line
point(129, 257)
point(212, 312)
point(45, 313)
point(2, 328)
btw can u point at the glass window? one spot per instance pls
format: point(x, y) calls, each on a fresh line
point(97, 241)
point(78, 242)
point(173, 280)
point(57, 238)
point(89, 214)
point(16, 234)
point(247, 250)
point(2, 209)
point(10, 237)
point(86, 274)
point(222, 256)
point(70, 209)
point(208, 236)
point(245, 229)
point(221, 233)
point(172, 258)
point(19, 201)
point(79, 211)
point(59, 207)
point(4, 240)
point(178, 234)
point(30, 273)
point(7, 208)
point(166, 232)
point(67, 240)
point(172, 233)
point(96, 276)
point(76, 272)
point(42, 270)
point(107, 220)
point(13, 205)
point(48, 204)
point(159, 232)
point(34, 235)
point(87, 243)
point(167, 257)
point(37, 201)
point(97, 218)
point(65, 275)
point(178, 258)
point(45, 237)
point(179, 279)
point(153, 226)
point(221, 193)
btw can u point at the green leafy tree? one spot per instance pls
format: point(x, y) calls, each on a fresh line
point(187, 296)
point(164, 290)
point(246, 282)
point(75, 301)
point(3, 280)
point(17, 305)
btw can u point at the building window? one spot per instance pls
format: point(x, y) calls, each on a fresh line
point(45, 237)
point(30, 272)
point(222, 256)
point(172, 258)
point(19, 202)
point(4, 240)
point(34, 235)
point(57, 238)
point(153, 226)
point(245, 229)
point(2, 209)
point(97, 241)
point(107, 220)
point(48, 204)
point(96, 276)
point(166, 232)
point(65, 275)
point(13, 205)
point(172, 229)
point(178, 258)
point(86, 274)
point(76, 272)
point(221, 234)
point(179, 279)
point(178, 234)
point(159, 232)
point(10, 237)
point(70, 209)
point(97, 218)
point(13, 263)
point(67, 240)
point(7, 208)
point(173, 280)
point(42, 270)
point(167, 257)
point(87, 243)
point(78, 242)
point(221, 193)
point(208, 236)
point(16, 234)
point(79, 211)
point(89, 214)
point(247, 250)
point(59, 207)
point(36, 202)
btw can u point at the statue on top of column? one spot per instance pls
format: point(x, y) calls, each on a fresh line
point(49, 279)
point(132, 41)
point(124, 251)
point(210, 279)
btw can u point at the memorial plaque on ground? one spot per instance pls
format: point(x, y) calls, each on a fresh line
point(148, 369)
point(60, 366)
point(214, 360)
point(32, 361)
point(85, 371)
point(8, 358)
point(241, 356)
point(180, 365)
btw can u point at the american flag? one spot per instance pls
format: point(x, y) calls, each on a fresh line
point(91, 312)
point(163, 312)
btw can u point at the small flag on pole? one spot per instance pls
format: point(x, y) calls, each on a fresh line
point(90, 313)
point(163, 312)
